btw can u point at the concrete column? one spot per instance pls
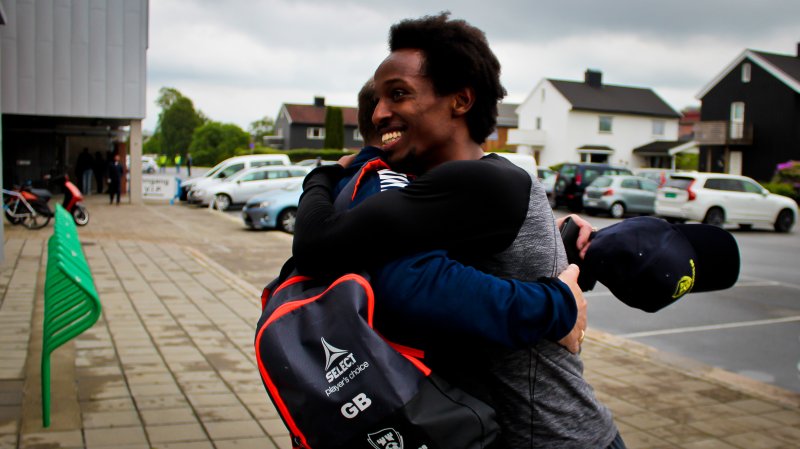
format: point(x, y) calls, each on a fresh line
point(135, 170)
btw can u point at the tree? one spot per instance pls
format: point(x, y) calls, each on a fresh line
point(176, 125)
point(152, 145)
point(213, 142)
point(167, 97)
point(334, 127)
point(260, 128)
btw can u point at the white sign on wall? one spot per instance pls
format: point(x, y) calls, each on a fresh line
point(159, 187)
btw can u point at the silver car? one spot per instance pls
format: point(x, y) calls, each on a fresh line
point(618, 195)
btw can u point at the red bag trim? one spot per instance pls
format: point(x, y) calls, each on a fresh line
point(370, 166)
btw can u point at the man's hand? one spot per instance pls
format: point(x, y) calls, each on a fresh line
point(574, 339)
point(585, 230)
point(346, 160)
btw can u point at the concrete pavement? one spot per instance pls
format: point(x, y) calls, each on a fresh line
point(170, 363)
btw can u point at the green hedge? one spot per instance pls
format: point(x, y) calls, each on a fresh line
point(299, 154)
point(782, 188)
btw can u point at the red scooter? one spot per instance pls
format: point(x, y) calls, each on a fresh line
point(73, 203)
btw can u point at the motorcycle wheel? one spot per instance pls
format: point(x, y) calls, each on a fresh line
point(36, 221)
point(80, 214)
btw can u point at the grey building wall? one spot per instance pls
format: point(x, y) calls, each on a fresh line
point(75, 58)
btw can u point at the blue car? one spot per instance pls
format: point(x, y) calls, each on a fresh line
point(275, 209)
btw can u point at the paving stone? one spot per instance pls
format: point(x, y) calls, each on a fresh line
point(246, 443)
point(157, 417)
point(176, 433)
point(223, 430)
point(68, 438)
point(126, 418)
point(114, 436)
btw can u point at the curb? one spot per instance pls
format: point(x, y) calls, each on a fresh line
point(698, 369)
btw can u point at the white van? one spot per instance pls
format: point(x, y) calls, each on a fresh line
point(229, 167)
point(525, 161)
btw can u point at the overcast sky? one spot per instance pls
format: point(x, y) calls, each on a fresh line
point(239, 60)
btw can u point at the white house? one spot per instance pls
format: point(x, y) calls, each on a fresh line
point(571, 121)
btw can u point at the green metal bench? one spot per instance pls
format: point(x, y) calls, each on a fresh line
point(71, 303)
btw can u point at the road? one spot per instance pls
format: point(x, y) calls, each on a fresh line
point(752, 329)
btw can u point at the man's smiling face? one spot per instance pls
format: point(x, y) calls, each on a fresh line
point(415, 124)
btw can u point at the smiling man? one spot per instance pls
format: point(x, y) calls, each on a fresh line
point(437, 101)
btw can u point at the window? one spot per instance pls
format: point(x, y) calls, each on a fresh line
point(658, 127)
point(230, 170)
point(752, 188)
point(315, 133)
point(746, 72)
point(357, 135)
point(605, 123)
point(737, 120)
point(630, 184)
point(538, 123)
point(296, 173)
point(649, 185)
point(277, 174)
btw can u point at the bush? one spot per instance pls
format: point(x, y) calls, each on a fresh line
point(782, 188)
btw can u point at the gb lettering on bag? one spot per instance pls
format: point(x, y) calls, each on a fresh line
point(359, 403)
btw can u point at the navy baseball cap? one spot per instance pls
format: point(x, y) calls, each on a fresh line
point(648, 263)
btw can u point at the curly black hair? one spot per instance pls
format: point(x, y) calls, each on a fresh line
point(457, 55)
point(367, 101)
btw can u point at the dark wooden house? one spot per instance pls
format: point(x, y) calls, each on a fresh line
point(750, 115)
point(303, 126)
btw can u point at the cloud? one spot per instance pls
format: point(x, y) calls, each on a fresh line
point(241, 59)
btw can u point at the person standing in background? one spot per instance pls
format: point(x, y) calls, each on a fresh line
point(83, 170)
point(115, 173)
point(99, 170)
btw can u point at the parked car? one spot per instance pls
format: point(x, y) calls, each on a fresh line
point(719, 199)
point(524, 161)
point(239, 188)
point(275, 209)
point(574, 177)
point(314, 162)
point(659, 175)
point(229, 167)
point(149, 164)
point(617, 195)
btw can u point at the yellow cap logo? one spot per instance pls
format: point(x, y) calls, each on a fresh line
point(685, 283)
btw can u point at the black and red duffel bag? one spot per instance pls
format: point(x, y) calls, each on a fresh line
point(336, 383)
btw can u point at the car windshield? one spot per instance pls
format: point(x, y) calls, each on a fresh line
point(603, 181)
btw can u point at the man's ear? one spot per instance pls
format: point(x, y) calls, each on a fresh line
point(463, 101)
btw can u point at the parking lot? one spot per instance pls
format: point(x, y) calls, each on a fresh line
point(752, 329)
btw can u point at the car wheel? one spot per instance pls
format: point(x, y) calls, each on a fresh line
point(715, 217)
point(617, 210)
point(222, 202)
point(785, 221)
point(286, 220)
point(575, 206)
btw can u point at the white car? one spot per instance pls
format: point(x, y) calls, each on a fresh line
point(240, 187)
point(719, 199)
point(228, 168)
